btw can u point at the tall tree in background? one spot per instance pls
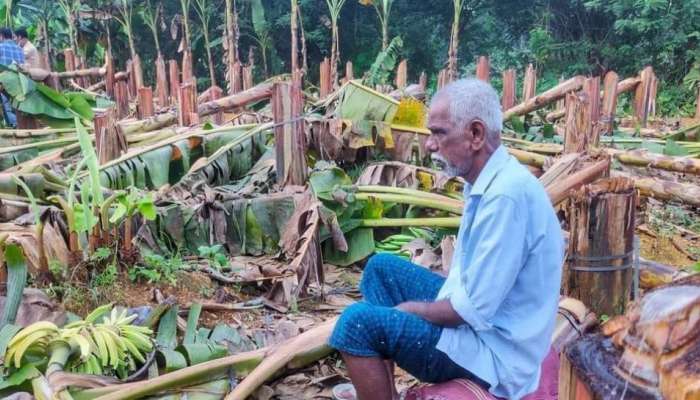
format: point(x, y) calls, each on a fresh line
point(126, 20)
point(204, 13)
point(151, 16)
point(231, 47)
point(334, 7)
point(8, 13)
point(383, 8)
point(185, 7)
point(454, 41)
point(44, 11)
point(262, 30)
point(294, 21)
point(70, 10)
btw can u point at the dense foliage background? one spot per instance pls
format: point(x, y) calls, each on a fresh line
point(561, 37)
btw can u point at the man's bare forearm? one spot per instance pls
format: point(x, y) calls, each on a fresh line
point(440, 313)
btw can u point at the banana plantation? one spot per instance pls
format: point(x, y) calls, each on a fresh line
point(190, 190)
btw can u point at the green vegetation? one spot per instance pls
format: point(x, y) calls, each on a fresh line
point(560, 38)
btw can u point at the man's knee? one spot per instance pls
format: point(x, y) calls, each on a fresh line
point(377, 269)
point(355, 331)
point(355, 316)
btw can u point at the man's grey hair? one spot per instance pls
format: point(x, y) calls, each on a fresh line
point(471, 98)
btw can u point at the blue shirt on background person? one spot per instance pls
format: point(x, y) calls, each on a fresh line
point(10, 52)
point(505, 278)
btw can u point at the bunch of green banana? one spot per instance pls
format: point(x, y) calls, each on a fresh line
point(35, 337)
point(394, 245)
point(112, 345)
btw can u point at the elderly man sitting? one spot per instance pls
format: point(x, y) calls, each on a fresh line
point(491, 320)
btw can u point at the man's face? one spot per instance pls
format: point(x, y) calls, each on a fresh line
point(449, 144)
point(21, 41)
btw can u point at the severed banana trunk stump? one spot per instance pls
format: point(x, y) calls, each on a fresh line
point(599, 268)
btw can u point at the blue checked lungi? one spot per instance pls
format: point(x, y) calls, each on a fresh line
point(374, 328)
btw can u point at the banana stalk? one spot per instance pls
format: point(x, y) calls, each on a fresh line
point(415, 201)
point(410, 192)
point(447, 222)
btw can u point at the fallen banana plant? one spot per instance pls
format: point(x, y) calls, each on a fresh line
point(257, 365)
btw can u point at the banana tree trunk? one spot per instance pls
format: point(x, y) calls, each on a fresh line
point(385, 34)
point(335, 54)
point(556, 93)
point(210, 60)
point(295, 29)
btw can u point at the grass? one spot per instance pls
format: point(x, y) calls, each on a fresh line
point(156, 269)
point(665, 220)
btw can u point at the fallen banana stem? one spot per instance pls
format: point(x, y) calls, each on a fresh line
point(410, 192)
point(447, 222)
point(294, 353)
point(415, 201)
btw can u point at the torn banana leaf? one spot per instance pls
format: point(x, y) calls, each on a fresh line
point(360, 103)
point(16, 281)
point(233, 159)
point(170, 360)
point(10, 160)
point(197, 353)
point(246, 226)
point(35, 183)
point(168, 161)
point(35, 98)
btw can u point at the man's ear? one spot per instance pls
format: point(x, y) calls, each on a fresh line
point(478, 134)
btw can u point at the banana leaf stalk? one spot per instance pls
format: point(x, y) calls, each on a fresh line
point(241, 363)
point(16, 280)
point(44, 272)
point(258, 365)
point(415, 201)
point(443, 222)
point(59, 353)
point(313, 342)
point(41, 146)
point(41, 388)
point(18, 133)
point(410, 192)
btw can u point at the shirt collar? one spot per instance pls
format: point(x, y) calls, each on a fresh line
point(493, 166)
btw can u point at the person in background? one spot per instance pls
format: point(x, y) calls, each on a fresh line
point(31, 54)
point(10, 53)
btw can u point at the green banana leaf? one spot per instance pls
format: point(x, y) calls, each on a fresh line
point(170, 360)
point(53, 95)
point(167, 329)
point(10, 160)
point(360, 246)
point(360, 103)
point(16, 281)
point(36, 104)
point(192, 320)
point(37, 99)
point(6, 334)
point(16, 85)
point(35, 183)
point(197, 353)
point(80, 105)
point(19, 379)
point(154, 167)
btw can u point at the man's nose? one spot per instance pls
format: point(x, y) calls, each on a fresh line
point(431, 144)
